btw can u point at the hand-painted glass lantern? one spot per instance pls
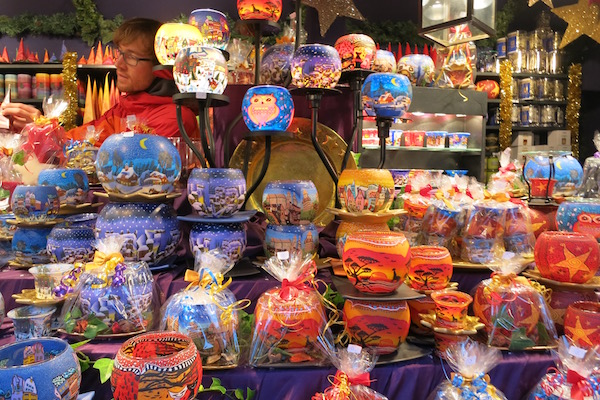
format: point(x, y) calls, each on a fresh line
point(171, 38)
point(430, 268)
point(230, 239)
point(71, 184)
point(316, 66)
point(35, 203)
point(216, 192)
point(267, 108)
point(356, 51)
point(275, 67)
point(490, 87)
point(567, 172)
point(582, 323)
point(347, 227)
point(290, 202)
point(200, 69)
point(213, 27)
point(29, 245)
point(366, 190)
point(579, 215)
point(384, 61)
point(386, 95)
point(259, 9)
point(419, 68)
point(71, 244)
point(291, 238)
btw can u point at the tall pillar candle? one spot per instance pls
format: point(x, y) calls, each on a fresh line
point(42, 83)
point(56, 89)
point(24, 86)
point(10, 80)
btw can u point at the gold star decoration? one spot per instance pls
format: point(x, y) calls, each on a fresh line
point(583, 19)
point(546, 2)
point(329, 10)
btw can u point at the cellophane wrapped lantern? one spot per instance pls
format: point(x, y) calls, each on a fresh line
point(290, 321)
point(351, 380)
point(574, 377)
point(81, 153)
point(510, 174)
point(417, 199)
point(514, 310)
point(457, 63)
point(45, 137)
point(207, 311)
point(470, 362)
point(591, 173)
point(107, 296)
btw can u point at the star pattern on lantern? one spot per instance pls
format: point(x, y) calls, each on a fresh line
point(574, 263)
point(578, 333)
point(546, 2)
point(583, 19)
point(329, 10)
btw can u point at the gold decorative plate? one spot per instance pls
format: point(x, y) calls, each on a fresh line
point(80, 336)
point(470, 326)
point(461, 264)
point(294, 159)
point(28, 296)
point(158, 197)
point(592, 284)
point(68, 209)
point(365, 216)
point(37, 224)
point(450, 286)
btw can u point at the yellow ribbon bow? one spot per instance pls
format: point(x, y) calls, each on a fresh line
point(500, 196)
point(103, 265)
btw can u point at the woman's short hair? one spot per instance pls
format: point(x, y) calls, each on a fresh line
point(135, 28)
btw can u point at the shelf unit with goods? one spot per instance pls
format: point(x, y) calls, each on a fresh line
point(434, 109)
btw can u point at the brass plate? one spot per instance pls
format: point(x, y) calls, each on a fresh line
point(295, 159)
point(37, 224)
point(366, 216)
point(450, 286)
point(28, 296)
point(470, 326)
point(460, 264)
point(592, 284)
point(68, 209)
point(101, 337)
point(138, 197)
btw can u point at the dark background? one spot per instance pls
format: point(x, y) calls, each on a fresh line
point(583, 50)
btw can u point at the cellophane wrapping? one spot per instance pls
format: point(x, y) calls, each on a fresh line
point(574, 377)
point(417, 199)
point(509, 174)
point(290, 321)
point(108, 295)
point(470, 361)
point(207, 311)
point(590, 187)
point(10, 145)
point(351, 380)
point(514, 310)
point(518, 233)
point(81, 154)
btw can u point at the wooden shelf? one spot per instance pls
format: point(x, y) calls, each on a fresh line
point(526, 102)
point(425, 149)
point(520, 75)
point(517, 128)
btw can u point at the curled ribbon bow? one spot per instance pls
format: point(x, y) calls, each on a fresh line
point(472, 389)
point(291, 289)
point(361, 379)
point(104, 265)
point(580, 387)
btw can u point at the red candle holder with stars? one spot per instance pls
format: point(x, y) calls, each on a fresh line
point(542, 187)
point(582, 323)
point(567, 256)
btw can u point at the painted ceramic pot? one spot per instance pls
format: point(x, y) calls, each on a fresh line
point(275, 66)
point(80, 220)
point(347, 227)
point(7, 230)
point(216, 192)
point(380, 325)
point(35, 203)
point(203, 317)
point(316, 66)
point(40, 368)
point(567, 256)
point(567, 172)
point(458, 140)
point(451, 308)
point(560, 299)
point(213, 27)
point(171, 38)
point(419, 68)
point(150, 230)
point(267, 108)
point(200, 69)
point(290, 202)
point(386, 95)
point(430, 268)
point(29, 245)
point(582, 323)
point(366, 190)
point(138, 163)
point(376, 262)
point(157, 365)
point(384, 61)
point(490, 87)
point(229, 238)
point(356, 51)
point(542, 187)
point(71, 244)
point(580, 215)
point(291, 238)
point(424, 305)
point(31, 321)
point(259, 9)
point(71, 184)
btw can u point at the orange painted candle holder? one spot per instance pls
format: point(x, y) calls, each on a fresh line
point(451, 308)
point(347, 227)
point(424, 305)
point(381, 325)
point(376, 262)
point(582, 323)
point(567, 256)
point(430, 268)
point(445, 340)
point(259, 9)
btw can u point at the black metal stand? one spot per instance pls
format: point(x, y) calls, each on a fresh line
point(205, 101)
point(547, 199)
point(383, 132)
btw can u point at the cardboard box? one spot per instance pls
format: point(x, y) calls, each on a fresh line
point(517, 152)
point(559, 138)
point(524, 138)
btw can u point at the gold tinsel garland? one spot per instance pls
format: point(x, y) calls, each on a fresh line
point(69, 77)
point(573, 106)
point(506, 71)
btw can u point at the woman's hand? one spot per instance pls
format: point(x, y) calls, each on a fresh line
point(19, 115)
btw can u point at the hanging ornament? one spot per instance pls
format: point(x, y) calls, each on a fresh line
point(329, 10)
point(582, 19)
point(546, 2)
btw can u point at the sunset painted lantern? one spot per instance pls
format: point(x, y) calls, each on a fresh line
point(267, 108)
point(366, 190)
point(380, 325)
point(579, 215)
point(293, 202)
point(356, 51)
point(200, 69)
point(582, 323)
point(376, 262)
point(384, 61)
point(386, 95)
point(430, 268)
point(490, 87)
point(567, 256)
point(451, 308)
point(171, 38)
point(316, 66)
point(275, 66)
point(259, 9)
point(419, 68)
point(347, 227)
point(213, 27)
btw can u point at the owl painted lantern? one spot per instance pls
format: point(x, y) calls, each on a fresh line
point(171, 38)
point(316, 66)
point(579, 215)
point(419, 68)
point(213, 27)
point(200, 69)
point(386, 95)
point(259, 9)
point(267, 108)
point(356, 51)
point(384, 61)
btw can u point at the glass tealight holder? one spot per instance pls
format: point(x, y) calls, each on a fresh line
point(31, 322)
point(46, 277)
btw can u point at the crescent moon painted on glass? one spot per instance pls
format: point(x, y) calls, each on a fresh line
point(394, 82)
point(143, 144)
point(63, 174)
point(558, 164)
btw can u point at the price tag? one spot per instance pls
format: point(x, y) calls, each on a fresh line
point(283, 255)
point(354, 349)
point(577, 352)
point(128, 134)
point(201, 95)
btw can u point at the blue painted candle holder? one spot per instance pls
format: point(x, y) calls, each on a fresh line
point(419, 68)
point(71, 184)
point(229, 238)
point(71, 244)
point(316, 66)
point(386, 95)
point(275, 67)
point(290, 202)
point(267, 108)
point(35, 203)
point(291, 238)
point(85, 219)
point(29, 244)
point(216, 192)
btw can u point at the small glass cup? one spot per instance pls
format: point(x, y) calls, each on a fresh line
point(31, 321)
point(47, 277)
point(451, 308)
